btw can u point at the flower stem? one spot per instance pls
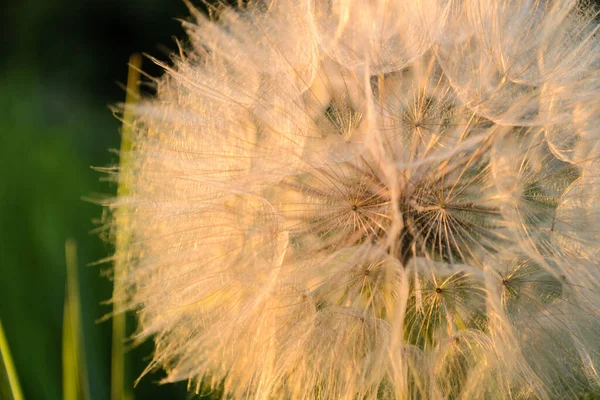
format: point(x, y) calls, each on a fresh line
point(118, 368)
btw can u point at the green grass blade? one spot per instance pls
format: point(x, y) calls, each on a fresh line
point(69, 356)
point(120, 391)
point(75, 377)
point(9, 381)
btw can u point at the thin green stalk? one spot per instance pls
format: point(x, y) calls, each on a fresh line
point(9, 381)
point(75, 377)
point(119, 390)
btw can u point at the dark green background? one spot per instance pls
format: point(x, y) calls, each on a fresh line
point(60, 67)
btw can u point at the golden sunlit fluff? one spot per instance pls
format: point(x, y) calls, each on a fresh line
point(371, 199)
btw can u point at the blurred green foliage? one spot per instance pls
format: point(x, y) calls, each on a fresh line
point(61, 64)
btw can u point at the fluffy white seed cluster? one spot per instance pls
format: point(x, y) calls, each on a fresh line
point(372, 199)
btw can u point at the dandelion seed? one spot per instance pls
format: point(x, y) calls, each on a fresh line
point(372, 200)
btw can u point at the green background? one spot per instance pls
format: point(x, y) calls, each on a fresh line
point(60, 71)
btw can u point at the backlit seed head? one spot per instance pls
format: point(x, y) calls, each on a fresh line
point(371, 200)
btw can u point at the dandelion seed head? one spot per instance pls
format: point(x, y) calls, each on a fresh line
point(371, 199)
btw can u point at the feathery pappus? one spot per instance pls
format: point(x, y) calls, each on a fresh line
point(371, 199)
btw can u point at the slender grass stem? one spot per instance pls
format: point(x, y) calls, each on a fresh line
point(9, 381)
point(75, 377)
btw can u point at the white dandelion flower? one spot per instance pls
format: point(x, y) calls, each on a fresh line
point(390, 199)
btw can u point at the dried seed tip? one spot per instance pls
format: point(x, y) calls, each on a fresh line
point(371, 200)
